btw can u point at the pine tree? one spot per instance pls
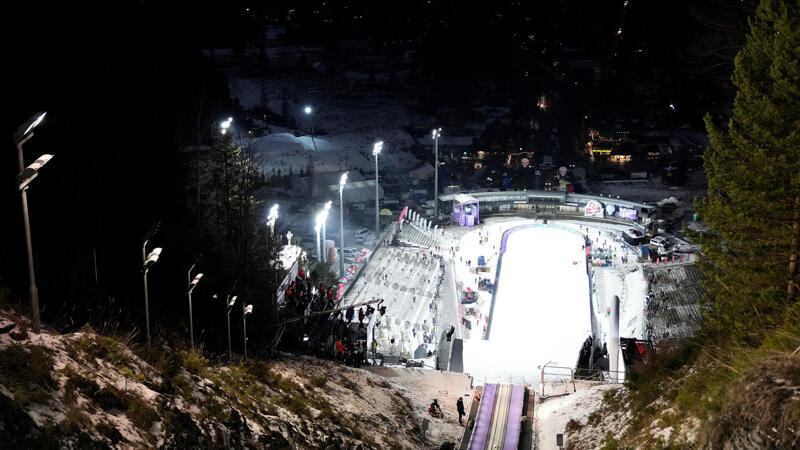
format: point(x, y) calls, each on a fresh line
point(753, 168)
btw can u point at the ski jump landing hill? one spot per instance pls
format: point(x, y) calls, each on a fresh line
point(541, 311)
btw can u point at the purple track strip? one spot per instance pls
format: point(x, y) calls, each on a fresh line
point(514, 416)
point(484, 418)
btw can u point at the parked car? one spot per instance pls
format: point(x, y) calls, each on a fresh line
point(661, 241)
point(350, 252)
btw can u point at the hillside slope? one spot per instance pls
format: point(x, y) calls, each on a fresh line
point(83, 390)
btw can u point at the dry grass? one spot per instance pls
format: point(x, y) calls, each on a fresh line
point(763, 409)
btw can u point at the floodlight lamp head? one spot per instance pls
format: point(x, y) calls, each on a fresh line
point(328, 205)
point(26, 128)
point(153, 256)
point(233, 300)
point(308, 110)
point(226, 124)
point(273, 212)
point(343, 180)
point(197, 279)
point(248, 310)
point(377, 148)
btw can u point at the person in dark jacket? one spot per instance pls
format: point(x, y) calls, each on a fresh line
point(460, 408)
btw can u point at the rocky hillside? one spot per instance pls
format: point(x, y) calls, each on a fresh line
point(84, 390)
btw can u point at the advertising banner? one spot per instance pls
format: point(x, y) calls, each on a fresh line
point(593, 209)
point(627, 213)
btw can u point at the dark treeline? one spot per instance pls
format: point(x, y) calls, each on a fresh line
point(127, 91)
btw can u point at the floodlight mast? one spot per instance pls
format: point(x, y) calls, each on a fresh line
point(149, 260)
point(192, 285)
point(231, 302)
point(436, 134)
point(245, 311)
point(308, 112)
point(23, 133)
point(342, 182)
point(272, 217)
point(375, 151)
point(324, 237)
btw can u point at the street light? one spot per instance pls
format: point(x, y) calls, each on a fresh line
point(342, 182)
point(436, 134)
point(192, 285)
point(149, 260)
point(21, 136)
point(245, 311)
point(308, 111)
point(228, 312)
point(324, 221)
point(375, 151)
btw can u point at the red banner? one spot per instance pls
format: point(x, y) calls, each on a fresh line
point(402, 215)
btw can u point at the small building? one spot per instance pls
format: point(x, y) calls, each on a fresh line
point(466, 210)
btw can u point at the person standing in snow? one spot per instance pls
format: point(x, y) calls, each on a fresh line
point(460, 408)
point(360, 317)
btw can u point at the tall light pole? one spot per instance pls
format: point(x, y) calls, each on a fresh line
point(308, 111)
point(317, 228)
point(375, 151)
point(23, 133)
point(228, 312)
point(148, 263)
point(272, 217)
point(245, 311)
point(324, 221)
point(342, 182)
point(192, 285)
point(436, 134)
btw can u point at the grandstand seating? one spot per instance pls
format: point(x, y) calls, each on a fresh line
point(412, 235)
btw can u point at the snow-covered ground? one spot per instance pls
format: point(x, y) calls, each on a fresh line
point(625, 280)
point(541, 310)
point(553, 414)
point(543, 301)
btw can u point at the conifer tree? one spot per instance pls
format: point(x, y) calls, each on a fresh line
point(753, 168)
